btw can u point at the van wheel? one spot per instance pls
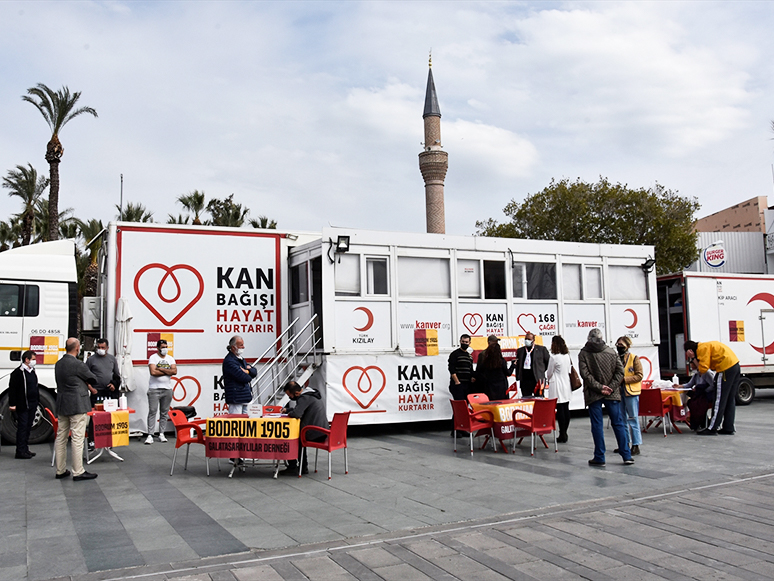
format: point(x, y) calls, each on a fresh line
point(746, 392)
point(41, 431)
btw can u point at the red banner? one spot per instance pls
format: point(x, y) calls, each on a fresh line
point(111, 429)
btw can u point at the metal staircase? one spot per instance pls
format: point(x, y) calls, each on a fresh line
point(294, 355)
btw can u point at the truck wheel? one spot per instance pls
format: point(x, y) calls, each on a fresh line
point(746, 392)
point(41, 431)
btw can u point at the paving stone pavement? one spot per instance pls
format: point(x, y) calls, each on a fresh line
point(690, 508)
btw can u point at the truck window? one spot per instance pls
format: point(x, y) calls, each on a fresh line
point(469, 279)
point(31, 300)
point(627, 283)
point(299, 284)
point(347, 275)
point(376, 276)
point(494, 279)
point(571, 282)
point(593, 287)
point(534, 280)
point(9, 300)
point(424, 277)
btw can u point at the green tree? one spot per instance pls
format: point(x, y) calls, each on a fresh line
point(605, 213)
point(24, 183)
point(57, 108)
point(177, 219)
point(263, 222)
point(134, 213)
point(195, 204)
point(42, 223)
point(10, 233)
point(227, 212)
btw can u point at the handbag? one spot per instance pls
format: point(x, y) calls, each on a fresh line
point(575, 380)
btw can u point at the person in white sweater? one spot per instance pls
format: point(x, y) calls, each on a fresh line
point(558, 375)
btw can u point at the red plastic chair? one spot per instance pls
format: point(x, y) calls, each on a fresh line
point(336, 439)
point(184, 437)
point(540, 421)
point(653, 405)
point(467, 421)
point(477, 398)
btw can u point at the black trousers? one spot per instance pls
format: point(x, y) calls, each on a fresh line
point(314, 437)
point(724, 406)
point(461, 390)
point(24, 421)
point(527, 383)
point(563, 417)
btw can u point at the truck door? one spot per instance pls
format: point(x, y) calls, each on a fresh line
point(11, 324)
point(766, 348)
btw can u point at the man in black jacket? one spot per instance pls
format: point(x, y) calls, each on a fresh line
point(531, 364)
point(23, 399)
point(310, 410)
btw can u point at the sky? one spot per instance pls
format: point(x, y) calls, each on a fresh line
point(311, 112)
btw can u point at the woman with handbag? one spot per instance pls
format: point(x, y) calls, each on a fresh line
point(558, 375)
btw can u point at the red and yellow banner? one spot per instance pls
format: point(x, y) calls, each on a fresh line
point(46, 348)
point(425, 342)
point(259, 438)
point(503, 414)
point(111, 429)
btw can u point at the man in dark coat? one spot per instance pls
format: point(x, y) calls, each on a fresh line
point(531, 364)
point(310, 409)
point(461, 369)
point(23, 399)
point(237, 375)
point(74, 382)
point(602, 373)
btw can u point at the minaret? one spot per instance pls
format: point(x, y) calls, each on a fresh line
point(433, 161)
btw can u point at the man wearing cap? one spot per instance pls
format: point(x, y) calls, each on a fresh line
point(531, 364)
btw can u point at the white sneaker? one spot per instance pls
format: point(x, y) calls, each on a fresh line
point(149, 439)
point(162, 438)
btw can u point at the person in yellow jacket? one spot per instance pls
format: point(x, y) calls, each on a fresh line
point(630, 390)
point(723, 361)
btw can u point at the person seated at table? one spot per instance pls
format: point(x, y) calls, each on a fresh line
point(492, 371)
point(310, 409)
point(701, 396)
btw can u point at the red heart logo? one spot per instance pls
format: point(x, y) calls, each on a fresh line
point(472, 322)
point(365, 384)
point(518, 320)
point(169, 272)
point(180, 383)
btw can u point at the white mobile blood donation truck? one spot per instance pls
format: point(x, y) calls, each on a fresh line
point(385, 302)
point(735, 309)
point(376, 292)
point(38, 311)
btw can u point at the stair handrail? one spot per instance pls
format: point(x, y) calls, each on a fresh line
point(281, 371)
point(277, 340)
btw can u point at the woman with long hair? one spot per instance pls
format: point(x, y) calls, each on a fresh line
point(558, 375)
point(630, 392)
point(492, 372)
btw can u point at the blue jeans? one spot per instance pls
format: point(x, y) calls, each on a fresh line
point(614, 410)
point(632, 407)
point(237, 408)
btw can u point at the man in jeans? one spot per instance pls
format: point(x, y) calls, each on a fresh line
point(162, 367)
point(602, 373)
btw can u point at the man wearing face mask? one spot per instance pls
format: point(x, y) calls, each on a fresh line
point(237, 375)
point(105, 368)
point(23, 399)
point(162, 367)
point(461, 369)
point(531, 364)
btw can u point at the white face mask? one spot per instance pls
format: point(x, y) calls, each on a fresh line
point(163, 351)
point(101, 352)
point(32, 363)
point(528, 342)
point(240, 352)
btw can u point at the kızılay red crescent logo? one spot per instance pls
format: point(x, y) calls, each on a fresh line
point(177, 290)
point(472, 322)
point(369, 320)
point(180, 383)
point(369, 382)
point(634, 319)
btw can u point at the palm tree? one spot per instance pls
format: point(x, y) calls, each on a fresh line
point(10, 232)
point(25, 183)
point(226, 212)
point(195, 204)
point(89, 231)
point(57, 109)
point(134, 213)
point(177, 219)
point(263, 222)
point(42, 223)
